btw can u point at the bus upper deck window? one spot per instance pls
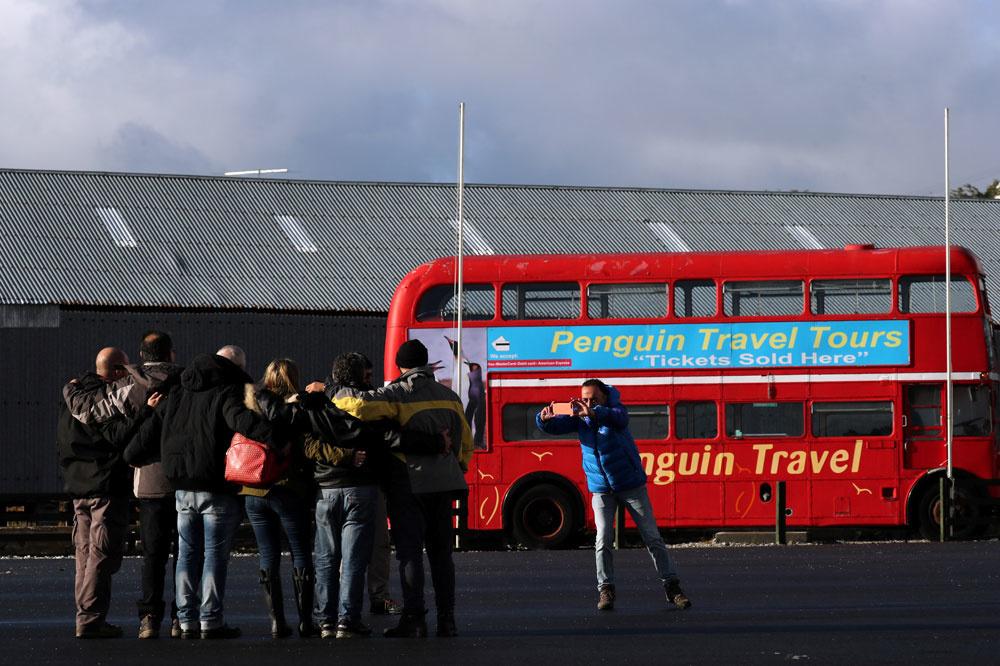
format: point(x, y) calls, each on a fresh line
point(440, 303)
point(541, 300)
point(694, 298)
point(763, 298)
point(627, 301)
point(925, 293)
point(845, 297)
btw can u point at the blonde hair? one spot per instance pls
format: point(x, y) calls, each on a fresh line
point(282, 377)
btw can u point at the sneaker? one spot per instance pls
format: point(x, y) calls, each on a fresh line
point(103, 631)
point(352, 629)
point(149, 627)
point(175, 628)
point(606, 598)
point(327, 630)
point(386, 607)
point(675, 594)
point(225, 631)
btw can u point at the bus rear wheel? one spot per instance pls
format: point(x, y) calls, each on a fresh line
point(968, 512)
point(542, 517)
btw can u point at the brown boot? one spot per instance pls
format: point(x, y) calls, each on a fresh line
point(675, 594)
point(606, 598)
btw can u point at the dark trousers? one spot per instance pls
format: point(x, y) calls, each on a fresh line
point(158, 533)
point(420, 521)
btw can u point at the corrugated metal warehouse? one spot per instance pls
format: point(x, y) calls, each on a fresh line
point(306, 269)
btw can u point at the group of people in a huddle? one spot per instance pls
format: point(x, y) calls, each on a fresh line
point(355, 455)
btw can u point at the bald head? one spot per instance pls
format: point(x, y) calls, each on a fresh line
point(234, 354)
point(109, 363)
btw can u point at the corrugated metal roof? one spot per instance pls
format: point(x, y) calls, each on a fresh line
point(207, 242)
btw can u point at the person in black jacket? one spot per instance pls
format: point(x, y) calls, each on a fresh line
point(194, 431)
point(97, 478)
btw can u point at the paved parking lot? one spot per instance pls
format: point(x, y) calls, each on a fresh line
point(835, 603)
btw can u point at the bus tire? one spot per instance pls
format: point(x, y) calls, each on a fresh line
point(968, 511)
point(542, 517)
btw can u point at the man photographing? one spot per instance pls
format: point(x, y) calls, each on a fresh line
point(614, 475)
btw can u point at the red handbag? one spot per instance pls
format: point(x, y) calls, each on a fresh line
point(253, 463)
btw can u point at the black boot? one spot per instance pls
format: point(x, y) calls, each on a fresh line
point(411, 625)
point(446, 624)
point(271, 582)
point(305, 580)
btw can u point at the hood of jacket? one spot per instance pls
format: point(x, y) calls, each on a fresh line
point(209, 371)
point(614, 397)
point(90, 381)
point(156, 376)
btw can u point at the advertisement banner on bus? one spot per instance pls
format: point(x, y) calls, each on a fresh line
point(699, 346)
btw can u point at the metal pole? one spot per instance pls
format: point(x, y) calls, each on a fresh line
point(461, 249)
point(944, 493)
point(780, 532)
point(457, 383)
point(947, 303)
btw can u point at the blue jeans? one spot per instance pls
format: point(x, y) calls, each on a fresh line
point(280, 508)
point(641, 509)
point(345, 531)
point(206, 525)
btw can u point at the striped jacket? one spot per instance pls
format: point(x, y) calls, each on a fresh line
point(417, 401)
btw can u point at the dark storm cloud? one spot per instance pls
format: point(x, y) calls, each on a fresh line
point(825, 96)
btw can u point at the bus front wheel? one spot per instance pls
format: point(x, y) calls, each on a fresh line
point(968, 512)
point(542, 517)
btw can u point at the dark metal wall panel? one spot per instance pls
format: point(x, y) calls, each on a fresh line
point(38, 361)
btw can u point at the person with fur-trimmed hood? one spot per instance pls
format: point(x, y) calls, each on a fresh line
point(286, 505)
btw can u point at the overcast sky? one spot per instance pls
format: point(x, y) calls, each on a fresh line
point(826, 96)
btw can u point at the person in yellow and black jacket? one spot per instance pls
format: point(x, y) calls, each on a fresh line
point(422, 487)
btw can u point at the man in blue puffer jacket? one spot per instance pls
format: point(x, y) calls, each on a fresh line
point(614, 475)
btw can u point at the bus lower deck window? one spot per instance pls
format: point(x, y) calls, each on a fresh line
point(764, 419)
point(850, 419)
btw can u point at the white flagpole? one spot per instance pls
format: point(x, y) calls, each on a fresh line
point(461, 249)
point(947, 300)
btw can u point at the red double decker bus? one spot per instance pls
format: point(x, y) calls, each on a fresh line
point(825, 369)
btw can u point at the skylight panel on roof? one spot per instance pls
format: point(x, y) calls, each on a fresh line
point(472, 239)
point(295, 233)
point(668, 236)
point(805, 237)
point(116, 226)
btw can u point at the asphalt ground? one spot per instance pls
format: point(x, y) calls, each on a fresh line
point(853, 603)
